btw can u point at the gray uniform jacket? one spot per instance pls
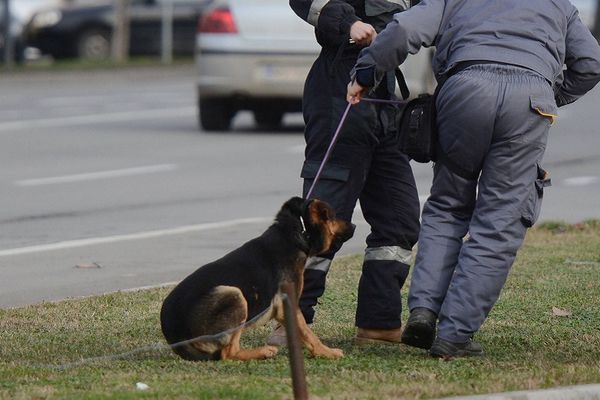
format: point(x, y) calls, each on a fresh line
point(542, 35)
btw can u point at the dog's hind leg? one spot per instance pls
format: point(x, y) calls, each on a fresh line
point(232, 350)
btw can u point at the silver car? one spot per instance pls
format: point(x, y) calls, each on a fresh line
point(255, 55)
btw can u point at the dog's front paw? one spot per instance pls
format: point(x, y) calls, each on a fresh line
point(268, 351)
point(328, 352)
point(336, 353)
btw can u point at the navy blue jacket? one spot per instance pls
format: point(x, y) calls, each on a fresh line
point(332, 19)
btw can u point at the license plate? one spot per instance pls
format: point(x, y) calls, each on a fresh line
point(287, 73)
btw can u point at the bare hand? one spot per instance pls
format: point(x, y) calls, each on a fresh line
point(355, 92)
point(362, 33)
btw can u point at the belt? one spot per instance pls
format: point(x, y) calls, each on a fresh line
point(462, 65)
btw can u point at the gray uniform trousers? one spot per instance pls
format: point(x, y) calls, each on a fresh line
point(493, 126)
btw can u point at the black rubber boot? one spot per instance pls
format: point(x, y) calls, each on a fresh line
point(420, 328)
point(444, 349)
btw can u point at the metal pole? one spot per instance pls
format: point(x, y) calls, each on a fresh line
point(167, 32)
point(7, 34)
point(295, 348)
point(120, 43)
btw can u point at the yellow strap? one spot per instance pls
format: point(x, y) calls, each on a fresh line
point(547, 115)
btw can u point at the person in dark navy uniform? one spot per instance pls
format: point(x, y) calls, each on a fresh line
point(366, 164)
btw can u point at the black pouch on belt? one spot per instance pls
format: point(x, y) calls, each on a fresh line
point(418, 129)
point(418, 120)
point(417, 124)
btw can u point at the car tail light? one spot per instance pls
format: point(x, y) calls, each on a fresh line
point(219, 20)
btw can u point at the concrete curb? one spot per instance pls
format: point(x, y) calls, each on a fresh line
point(580, 392)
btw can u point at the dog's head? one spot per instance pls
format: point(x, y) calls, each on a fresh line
point(321, 229)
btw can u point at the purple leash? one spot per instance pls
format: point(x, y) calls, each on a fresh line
point(336, 135)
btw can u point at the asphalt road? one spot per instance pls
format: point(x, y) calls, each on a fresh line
point(108, 171)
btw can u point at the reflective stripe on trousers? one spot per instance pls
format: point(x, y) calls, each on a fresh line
point(318, 264)
point(389, 253)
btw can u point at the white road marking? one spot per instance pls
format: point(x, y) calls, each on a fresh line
point(580, 180)
point(70, 244)
point(299, 149)
point(74, 100)
point(90, 176)
point(96, 118)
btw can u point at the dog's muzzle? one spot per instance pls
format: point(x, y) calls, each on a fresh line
point(345, 235)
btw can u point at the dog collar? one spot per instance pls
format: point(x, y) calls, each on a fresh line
point(305, 238)
point(304, 212)
point(304, 234)
point(303, 226)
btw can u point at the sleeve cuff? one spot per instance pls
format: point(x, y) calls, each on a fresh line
point(366, 77)
point(347, 22)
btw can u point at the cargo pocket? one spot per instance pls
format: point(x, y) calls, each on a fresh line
point(332, 185)
point(335, 172)
point(544, 107)
point(533, 203)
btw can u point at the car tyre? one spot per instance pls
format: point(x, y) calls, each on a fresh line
point(94, 44)
point(268, 118)
point(215, 114)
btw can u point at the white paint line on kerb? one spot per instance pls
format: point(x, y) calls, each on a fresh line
point(70, 244)
point(58, 122)
point(90, 176)
point(581, 180)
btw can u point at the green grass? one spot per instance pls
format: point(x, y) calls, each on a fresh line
point(527, 346)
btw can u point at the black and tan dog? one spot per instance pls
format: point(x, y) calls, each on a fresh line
point(223, 295)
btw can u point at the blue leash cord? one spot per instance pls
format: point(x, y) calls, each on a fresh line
point(336, 136)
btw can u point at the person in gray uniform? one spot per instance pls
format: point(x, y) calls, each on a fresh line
point(366, 164)
point(501, 66)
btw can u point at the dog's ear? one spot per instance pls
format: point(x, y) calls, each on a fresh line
point(294, 206)
point(321, 211)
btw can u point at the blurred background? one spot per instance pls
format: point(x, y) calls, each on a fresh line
point(140, 139)
point(250, 55)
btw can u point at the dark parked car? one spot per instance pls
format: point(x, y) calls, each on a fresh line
point(20, 12)
point(84, 29)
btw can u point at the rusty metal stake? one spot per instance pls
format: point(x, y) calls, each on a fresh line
point(294, 346)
